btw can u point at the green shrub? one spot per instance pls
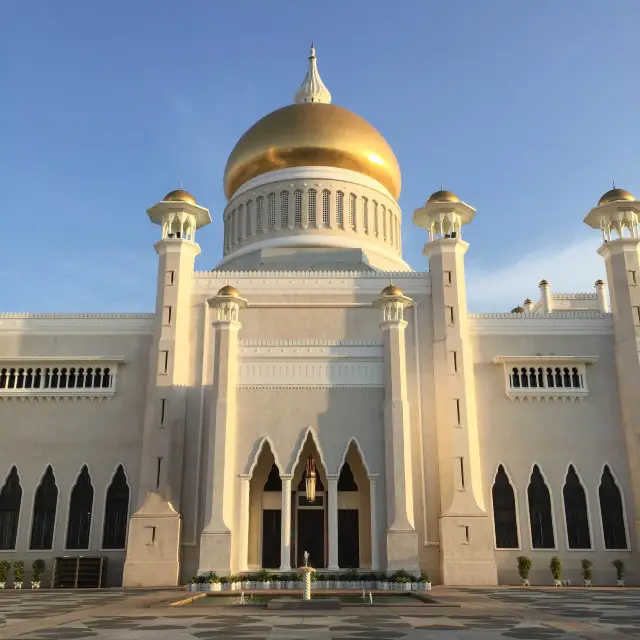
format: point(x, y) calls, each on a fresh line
point(524, 566)
point(424, 577)
point(213, 578)
point(586, 568)
point(5, 566)
point(18, 571)
point(37, 569)
point(619, 565)
point(556, 568)
point(263, 576)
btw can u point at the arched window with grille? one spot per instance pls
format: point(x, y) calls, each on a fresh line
point(340, 209)
point(260, 213)
point(10, 503)
point(391, 229)
point(505, 520)
point(249, 220)
point(376, 224)
point(311, 206)
point(365, 215)
point(575, 511)
point(612, 512)
point(326, 207)
point(297, 207)
point(80, 509)
point(284, 208)
point(352, 211)
point(271, 200)
point(45, 505)
point(116, 511)
point(383, 213)
point(540, 515)
point(240, 222)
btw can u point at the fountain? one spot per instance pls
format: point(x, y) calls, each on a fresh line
point(329, 602)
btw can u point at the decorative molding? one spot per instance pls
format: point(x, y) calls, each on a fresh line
point(311, 283)
point(88, 323)
point(38, 395)
point(555, 323)
point(574, 296)
point(317, 366)
point(547, 395)
point(66, 359)
point(541, 359)
point(310, 343)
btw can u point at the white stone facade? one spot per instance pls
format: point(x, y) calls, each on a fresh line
point(469, 439)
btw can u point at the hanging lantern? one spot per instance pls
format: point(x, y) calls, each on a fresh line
point(311, 475)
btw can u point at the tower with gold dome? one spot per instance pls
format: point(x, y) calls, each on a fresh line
point(313, 393)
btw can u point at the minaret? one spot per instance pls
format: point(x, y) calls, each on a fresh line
point(617, 216)
point(153, 547)
point(402, 539)
point(466, 530)
point(312, 88)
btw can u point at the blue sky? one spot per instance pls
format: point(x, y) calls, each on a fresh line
point(527, 110)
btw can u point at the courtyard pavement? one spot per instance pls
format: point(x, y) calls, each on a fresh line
point(476, 614)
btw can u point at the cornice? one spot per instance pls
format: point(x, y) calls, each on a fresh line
point(69, 359)
point(309, 343)
point(549, 358)
point(63, 324)
point(300, 387)
point(555, 323)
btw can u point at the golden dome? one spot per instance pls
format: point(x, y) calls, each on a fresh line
point(178, 195)
point(312, 134)
point(391, 290)
point(443, 196)
point(615, 195)
point(229, 291)
point(517, 310)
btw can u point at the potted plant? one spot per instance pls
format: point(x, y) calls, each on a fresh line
point(352, 578)
point(18, 574)
point(556, 571)
point(264, 579)
point(619, 565)
point(213, 582)
point(37, 569)
point(5, 565)
point(225, 585)
point(586, 571)
point(423, 582)
point(320, 581)
point(524, 567)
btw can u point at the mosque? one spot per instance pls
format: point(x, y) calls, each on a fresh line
point(313, 392)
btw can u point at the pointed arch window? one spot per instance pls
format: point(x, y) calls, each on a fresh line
point(80, 508)
point(612, 512)
point(326, 207)
point(271, 200)
point(340, 209)
point(274, 482)
point(297, 207)
point(575, 511)
point(10, 503)
point(311, 206)
point(116, 511)
point(540, 518)
point(505, 520)
point(346, 481)
point(44, 512)
point(284, 208)
point(249, 218)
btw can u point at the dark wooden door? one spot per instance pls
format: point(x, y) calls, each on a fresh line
point(348, 539)
point(311, 536)
point(271, 538)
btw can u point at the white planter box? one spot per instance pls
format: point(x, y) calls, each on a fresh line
point(619, 583)
point(265, 585)
point(17, 585)
point(525, 582)
point(2, 585)
point(291, 584)
point(557, 583)
point(277, 584)
point(587, 583)
point(35, 584)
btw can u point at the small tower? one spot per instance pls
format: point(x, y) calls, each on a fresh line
point(617, 216)
point(402, 539)
point(153, 548)
point(466, 531)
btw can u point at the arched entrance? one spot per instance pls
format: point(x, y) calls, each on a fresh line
point(309, 516)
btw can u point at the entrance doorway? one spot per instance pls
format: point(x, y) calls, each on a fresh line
point(271, 519)
point(348, 539)
point(311, 536)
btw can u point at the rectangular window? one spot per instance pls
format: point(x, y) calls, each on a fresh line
point(450, 316)
point(169, 276)
point(453, 361)
point(459, 473)
point(159, 467)
point(636, 311)
point(163, 362)
point(457, 401)
point(163, 406)
point(466, 535)
point(166, 316)
point(447, 278)
point(632, 278)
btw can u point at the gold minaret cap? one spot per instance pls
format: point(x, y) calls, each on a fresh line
point(615, 195)
point(528, 301)
point(229, 291)
point(179, 195)
point(543, 283)
point(391, 291)
point(599, 282)
point(517, 310)
point(443, 196)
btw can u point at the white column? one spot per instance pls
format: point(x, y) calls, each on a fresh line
point(332, 506)
point(375, 562)
point(243, 543)
point(285, 525)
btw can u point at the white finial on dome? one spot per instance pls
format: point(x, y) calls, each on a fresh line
point(312, 88)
